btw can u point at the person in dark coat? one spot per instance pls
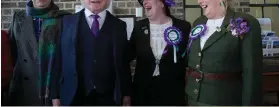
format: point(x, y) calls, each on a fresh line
point(158, 43)
point(225, 57)
point(33, 36)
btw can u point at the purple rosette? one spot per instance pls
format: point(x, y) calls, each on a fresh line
point(196, 32)
point(172, 35)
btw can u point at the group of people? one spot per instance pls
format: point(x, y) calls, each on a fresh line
point(83, 59)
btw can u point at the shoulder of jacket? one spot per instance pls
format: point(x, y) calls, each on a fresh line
point(199, 19)
point(247, 17)
point(20, 13)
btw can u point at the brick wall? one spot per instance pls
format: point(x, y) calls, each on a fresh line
point(120, 7)
point(242, 6)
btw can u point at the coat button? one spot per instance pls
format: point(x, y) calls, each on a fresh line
point(199, 54)
point(25, 60)
point(94, 61)
point(196, 91)
point(198, 80)
point(197, 66)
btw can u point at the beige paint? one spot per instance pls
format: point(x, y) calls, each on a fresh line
point(273, 13)
point(192, 14)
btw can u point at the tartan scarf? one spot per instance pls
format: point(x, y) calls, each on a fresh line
point(47, 42)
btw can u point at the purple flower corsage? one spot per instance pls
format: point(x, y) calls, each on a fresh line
point(238, 27)
point(173, 36)
point(196, 32)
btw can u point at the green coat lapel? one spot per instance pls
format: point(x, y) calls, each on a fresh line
point(217, 35)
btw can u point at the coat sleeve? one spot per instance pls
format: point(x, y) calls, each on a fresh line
point(125, 74)
point(251, 53)
point(131, 48)
point(186, 31)
point(56, 72)
point(6, 61)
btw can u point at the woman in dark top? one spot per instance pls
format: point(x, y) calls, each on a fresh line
point(159, 45)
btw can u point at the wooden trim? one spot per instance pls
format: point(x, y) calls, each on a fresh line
point(271, 73)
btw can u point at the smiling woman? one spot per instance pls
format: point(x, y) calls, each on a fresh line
point(225, 57)
point(159, 45)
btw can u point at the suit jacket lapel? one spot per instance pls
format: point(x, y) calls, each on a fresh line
point(106, 30)
point(106, 24)
point(73, 24)
point(26, 25)
point(217, 35)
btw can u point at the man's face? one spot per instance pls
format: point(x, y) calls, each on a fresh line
point(41, 3)
point(96, 6)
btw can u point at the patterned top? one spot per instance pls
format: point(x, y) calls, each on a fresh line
point(157, 41)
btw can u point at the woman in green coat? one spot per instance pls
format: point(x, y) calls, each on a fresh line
point(225, 57)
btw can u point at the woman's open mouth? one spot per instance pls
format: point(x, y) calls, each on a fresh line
point(148, 8)
point(204, 6)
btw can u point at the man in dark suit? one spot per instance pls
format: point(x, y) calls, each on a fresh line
point(90, 60)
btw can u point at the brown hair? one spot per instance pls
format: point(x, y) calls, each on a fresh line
point(167, 9)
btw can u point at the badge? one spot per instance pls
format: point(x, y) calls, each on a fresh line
point(146, 31)
point(173, 36)
point(196, 32)
point(218, 29)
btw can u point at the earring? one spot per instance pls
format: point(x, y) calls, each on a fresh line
point(222, 3)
